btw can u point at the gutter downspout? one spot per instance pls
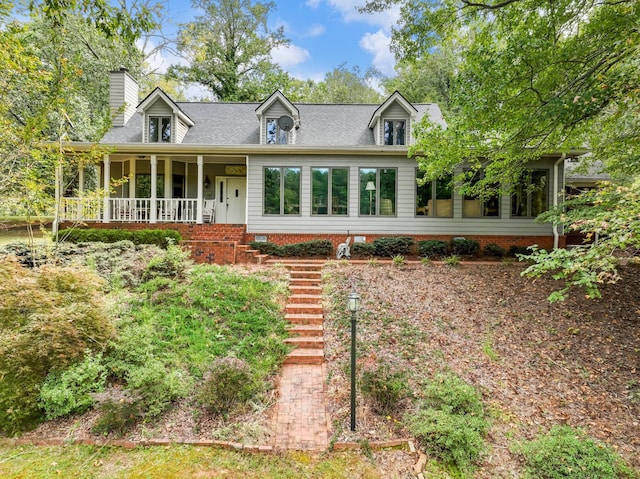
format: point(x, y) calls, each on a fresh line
point(556, 233)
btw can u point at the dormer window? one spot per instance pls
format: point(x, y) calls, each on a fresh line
point(275, 134)
point(394, 132)
point(160, 129)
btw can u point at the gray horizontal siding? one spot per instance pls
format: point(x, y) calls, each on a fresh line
point(405, 221)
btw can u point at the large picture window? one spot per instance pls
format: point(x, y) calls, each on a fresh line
point(329, 191)
point(281, 191)
point(434, 198)
point(377, 191)
point(394, 132)
point(160, 129)
point(474, 206)
point(530, 197)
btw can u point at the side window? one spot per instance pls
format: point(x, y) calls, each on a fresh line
point(281, 188)
point(377, 191)
point(160, 129)
point(434, 198)
point(530, 197)
point(276, 135)
point(473, 206)
point(329, 191)
point(394, 132)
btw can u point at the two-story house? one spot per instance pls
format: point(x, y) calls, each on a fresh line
point(282, 172)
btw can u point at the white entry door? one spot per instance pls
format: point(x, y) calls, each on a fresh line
point(231, 200)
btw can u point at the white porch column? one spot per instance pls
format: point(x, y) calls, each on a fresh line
point(153, 214)
point(200, 201)
point(168, 179)
point(106, 215)
point(132, 178)
point(81, 181)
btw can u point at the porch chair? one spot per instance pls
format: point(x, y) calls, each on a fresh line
point(208, 212)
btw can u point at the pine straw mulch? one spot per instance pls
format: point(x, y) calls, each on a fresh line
point(537, 364)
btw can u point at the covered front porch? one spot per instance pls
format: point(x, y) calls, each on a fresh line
point(139, 188)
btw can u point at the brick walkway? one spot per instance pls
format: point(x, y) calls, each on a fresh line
point(302, 420)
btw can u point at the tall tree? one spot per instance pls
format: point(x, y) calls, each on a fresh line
point(229, 50)
point(533, 78)
point(344, 86)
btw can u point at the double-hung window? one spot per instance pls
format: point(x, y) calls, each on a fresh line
point(329, 191)
point(394, 132)
point(275, 134)
point(377, 191)
point(160, 129)
point(433, 198)
point(530, 196)
point(281, 186)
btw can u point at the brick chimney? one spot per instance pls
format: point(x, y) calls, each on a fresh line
point(123, 90)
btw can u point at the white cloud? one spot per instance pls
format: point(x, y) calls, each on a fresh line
point(313, 3)
point(378, 45)
point(348, 9)
point(289, 55)
point(314, 31)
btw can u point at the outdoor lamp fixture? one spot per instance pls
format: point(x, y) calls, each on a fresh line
point(354, 306)
point(371, 187)
point(206, 181)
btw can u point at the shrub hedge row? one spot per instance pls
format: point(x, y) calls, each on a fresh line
point(160, 238)
point(307, 248)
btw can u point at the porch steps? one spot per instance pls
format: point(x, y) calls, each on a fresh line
point(305, 314)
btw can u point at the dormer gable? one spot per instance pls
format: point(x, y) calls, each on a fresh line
point(392, 121)
point(279, 119)
point(164, 121)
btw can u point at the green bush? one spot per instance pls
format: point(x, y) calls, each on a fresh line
point(450, 422)
point(363, 249)
point(49, 317)
point(70, 391)
point(493, 250)
point(227, 385)
point(464, 247)
point(385, 386)
point(433, 248)
point(118, 416)
point(157, 237)
point(307, 248)
point(515, 250)
point(172, 264)
point(566, 452)
point(393, 246)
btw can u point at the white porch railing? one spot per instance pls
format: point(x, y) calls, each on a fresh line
point(132, 210)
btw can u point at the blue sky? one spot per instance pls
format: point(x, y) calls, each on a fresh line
point(324, 34)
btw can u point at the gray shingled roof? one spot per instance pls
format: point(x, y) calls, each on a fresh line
point(328, 125)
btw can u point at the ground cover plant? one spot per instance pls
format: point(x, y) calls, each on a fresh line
point(167, 327)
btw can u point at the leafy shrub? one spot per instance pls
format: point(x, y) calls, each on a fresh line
point(172, 263)
point(117, 416)
point(392, 246)
point(493, 250)
point(49, 317)
point(450, 422)
point(399, 260)
point(156, 237)
point(433, 248)
point(452, 260)
point(567, 452)
point(464, 247)
point(363, 249)
point(515, 250)
point(307, 248)
point(227, 385)
point(385, 386)
point(70, 391)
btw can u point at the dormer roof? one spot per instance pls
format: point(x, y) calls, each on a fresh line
point(158, 95)
point(395, 98)
point(277, 96)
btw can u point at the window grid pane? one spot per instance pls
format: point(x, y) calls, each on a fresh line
point(272, 191)
point(291, 191)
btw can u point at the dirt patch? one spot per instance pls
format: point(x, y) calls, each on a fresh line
point(537, 364)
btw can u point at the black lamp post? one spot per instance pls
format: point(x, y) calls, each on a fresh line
point(354, 307)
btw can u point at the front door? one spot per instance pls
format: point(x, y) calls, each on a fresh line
point(231, 200)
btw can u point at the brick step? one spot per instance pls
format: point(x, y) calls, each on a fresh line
point(304, 318)
point(305, 299)
point(305, 356)
point(317, 275)
point(305, 289)
point(306, 342)
point(303, 308)
point(306, 330)
point(297, 282)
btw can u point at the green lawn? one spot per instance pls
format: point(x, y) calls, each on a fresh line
point(179, 462)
